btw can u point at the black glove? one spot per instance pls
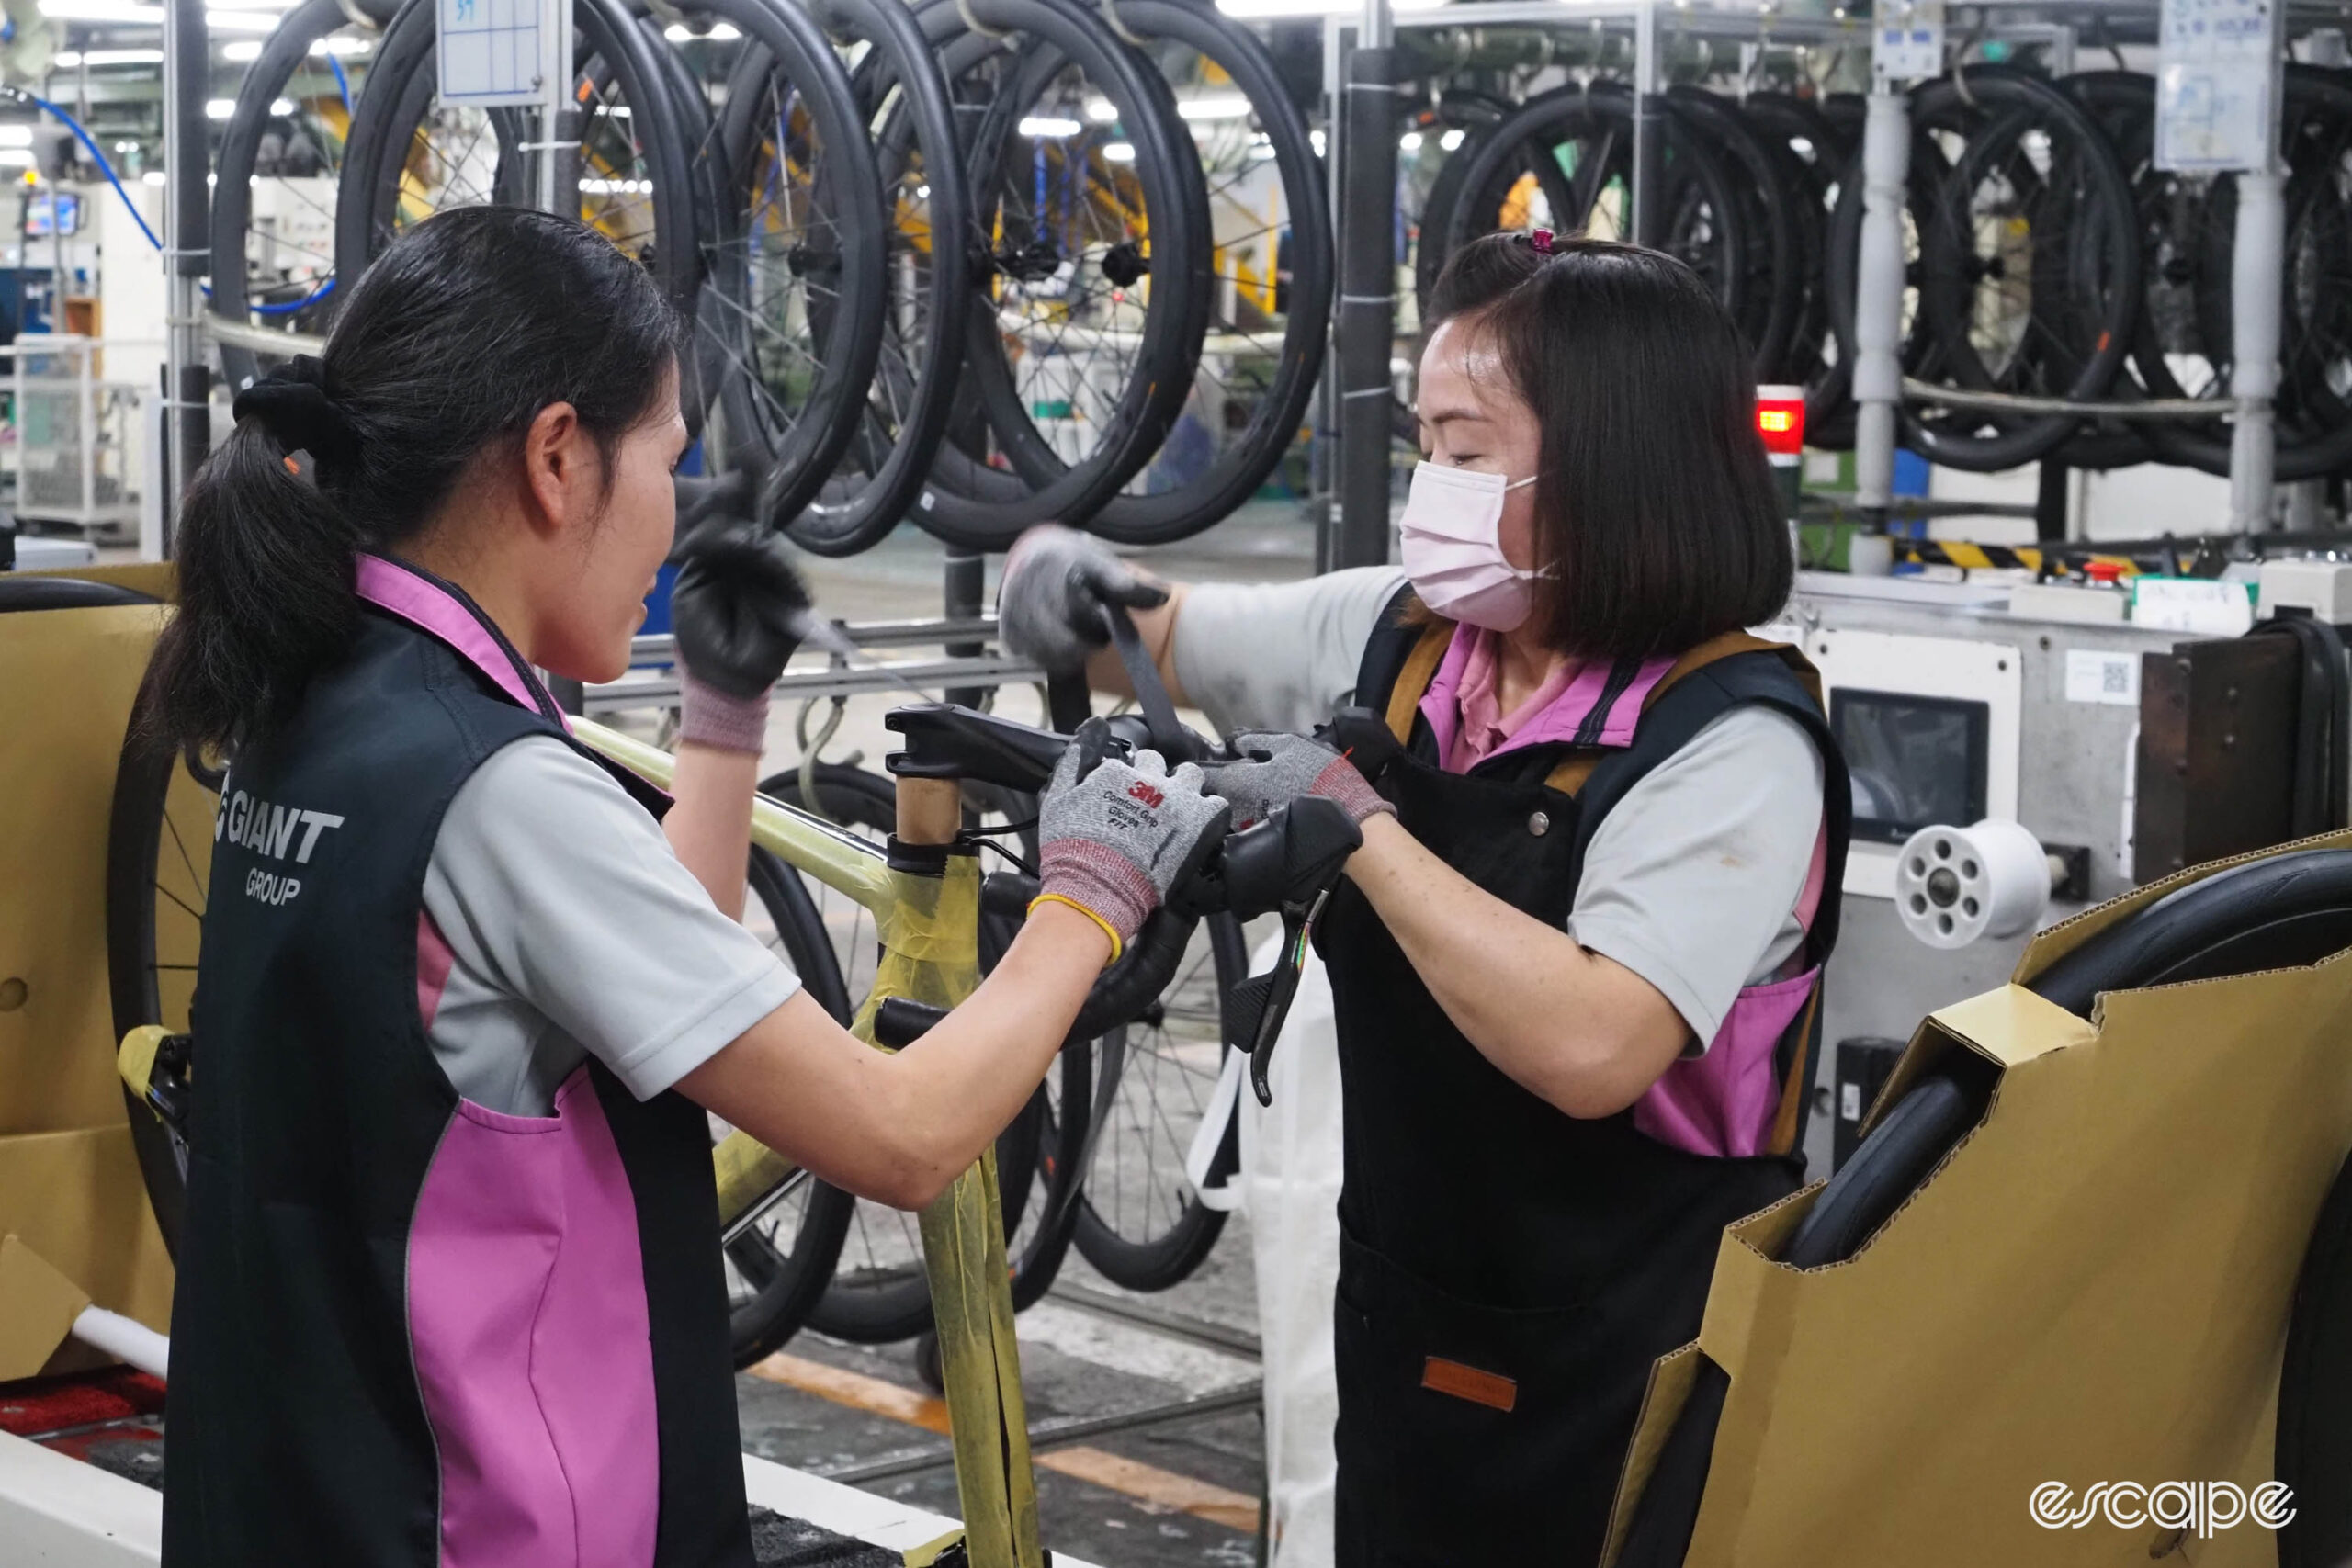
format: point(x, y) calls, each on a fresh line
point(739, 606)
point(1049, 607)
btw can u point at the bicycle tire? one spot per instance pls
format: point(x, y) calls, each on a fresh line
point(834, 268)
point(2313, 418)
point(1821, 156)
point(1766, 192)
point(968, 503)
point(1694, 182)
point(786, 1284)
point(903, 97)
point(1242, 464)
point(383, 134)
point(151, 953)
point(2085, 330)
point(265, 82)
point(1155, 1261)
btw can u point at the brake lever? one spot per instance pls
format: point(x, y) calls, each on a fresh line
point(1286, 865)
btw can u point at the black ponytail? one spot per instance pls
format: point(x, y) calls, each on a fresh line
point(450, 345)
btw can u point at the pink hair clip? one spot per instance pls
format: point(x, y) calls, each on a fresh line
point(1541, 239)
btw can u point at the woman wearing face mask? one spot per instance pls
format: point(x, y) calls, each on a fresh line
point(450, 1288)
point(1574, 960)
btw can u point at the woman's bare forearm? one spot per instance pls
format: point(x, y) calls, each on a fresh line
point(1157, 627)
point(1583, 1032)
point(899, 1128)
point(710, 827)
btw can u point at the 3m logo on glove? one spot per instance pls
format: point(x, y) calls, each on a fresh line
point(1149, 793)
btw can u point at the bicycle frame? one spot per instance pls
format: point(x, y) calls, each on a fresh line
point(929, 924)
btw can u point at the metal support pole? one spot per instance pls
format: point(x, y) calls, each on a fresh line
point(558, 182)
point(1323, 455)
point(2257, 280)
point(1878, 296)
point(965, 585)
point(1367, 315)
point(1648, 217)
point(187, 249)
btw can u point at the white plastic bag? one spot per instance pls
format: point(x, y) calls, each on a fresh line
point(1290, 1180)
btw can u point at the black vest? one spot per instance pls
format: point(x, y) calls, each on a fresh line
point(1508, 1273)
point(409, 1331)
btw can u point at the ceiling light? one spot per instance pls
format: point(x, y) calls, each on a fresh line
point(721, 32)
point(1315, 139)
point(152, 177)
point(1102, 111)
point(1119, 153)
point(242, 52)
point(16, 135)
point(1452, 139)
point(242, 21)
point(16, 157)
point(126, 146)
point(1409, 142)
point(220, 108)
point(1046, 125)
point(1222, 106)
point(95, 57)
point(342, 43)
point(281, 108)
point(128, 11)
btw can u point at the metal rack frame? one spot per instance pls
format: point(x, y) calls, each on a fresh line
point(1358, 77)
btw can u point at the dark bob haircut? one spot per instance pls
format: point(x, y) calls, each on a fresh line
point(1655, 505)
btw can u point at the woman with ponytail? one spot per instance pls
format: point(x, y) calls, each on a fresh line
point(450, 1287)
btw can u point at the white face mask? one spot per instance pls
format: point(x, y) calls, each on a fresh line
point(1453, 547)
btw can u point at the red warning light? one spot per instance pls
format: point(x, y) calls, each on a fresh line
point(1780, 418)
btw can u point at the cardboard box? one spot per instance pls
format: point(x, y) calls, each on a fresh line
point(2093, 1287)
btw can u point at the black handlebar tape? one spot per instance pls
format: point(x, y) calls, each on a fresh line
point(1126, 990)
point(1169, 736)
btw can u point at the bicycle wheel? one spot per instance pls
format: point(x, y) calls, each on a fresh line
point(2030, 265)
point(1818, 155)
point(790, 320)
point(159, 863)
point(1093, 296)
point(1270, 284)
point(878, 1292)
point(779, 1267)
point(1563, 161)
point(274, 200)
point(2189, 352)
point(1765, 186)
point(410, 156)
point(1142, 1223)
point(902, 98)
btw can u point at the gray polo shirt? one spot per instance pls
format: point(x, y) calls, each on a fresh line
point(571, 930)
point(1692, 882)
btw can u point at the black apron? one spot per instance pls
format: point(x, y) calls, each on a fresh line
point(302, 1402)
point(1508, 1273)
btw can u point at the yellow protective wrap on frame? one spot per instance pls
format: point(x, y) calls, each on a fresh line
point(930, 953)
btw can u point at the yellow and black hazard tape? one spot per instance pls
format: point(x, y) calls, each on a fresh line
point(1975, 558)
point(2001, 557)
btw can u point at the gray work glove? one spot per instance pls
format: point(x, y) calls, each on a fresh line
point(1115, 838)
point(1050, 606)
point(1270, 770)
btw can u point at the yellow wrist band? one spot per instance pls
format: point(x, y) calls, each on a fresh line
point(1110, 931)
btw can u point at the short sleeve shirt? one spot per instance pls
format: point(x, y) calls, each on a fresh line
point(1692, 882)
point(558, 926)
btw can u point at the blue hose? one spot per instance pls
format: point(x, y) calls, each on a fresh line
point(105, 167)
point(341, 82)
